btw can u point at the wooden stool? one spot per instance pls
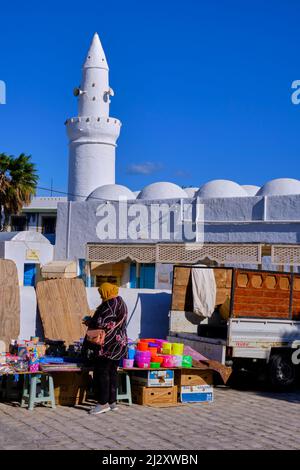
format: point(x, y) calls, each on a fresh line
point(45, 395)
point(124, 393)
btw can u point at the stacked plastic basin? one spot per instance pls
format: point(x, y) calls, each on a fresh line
point(156, 353)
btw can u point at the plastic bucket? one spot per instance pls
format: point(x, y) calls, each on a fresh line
point(167, 348)
point(153, 351)
point(154, 365)
point(187, 361)
point(168, 361)
point(139, 354)
point(160, 343)
point(142, 364)
point(131, 353)
point(158, 359)
point(142, 346)
point(177, 361)
point(177, 349)
point(128, 363)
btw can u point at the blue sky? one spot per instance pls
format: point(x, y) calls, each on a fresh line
point(203, 88)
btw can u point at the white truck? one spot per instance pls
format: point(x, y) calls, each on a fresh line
point(255, 324)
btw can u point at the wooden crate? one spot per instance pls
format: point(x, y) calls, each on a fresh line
point(153, 396)
point(192, 377)
point(70, 387)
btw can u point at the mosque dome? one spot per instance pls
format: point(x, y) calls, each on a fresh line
point(136, 193)
point(221, 188)
point(111, 192)
point(251, 189)
point(191, 191)
point(280, 187)
point(162, 190)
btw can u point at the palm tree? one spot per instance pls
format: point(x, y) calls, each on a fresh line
point(18, 180)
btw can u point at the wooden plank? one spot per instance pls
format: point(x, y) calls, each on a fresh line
point(62, 304)
point(9, 302)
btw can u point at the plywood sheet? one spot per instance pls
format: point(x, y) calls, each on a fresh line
point(62, 304)
point(9, 302)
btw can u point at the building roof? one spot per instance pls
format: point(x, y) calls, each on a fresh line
point(280, 187)
point(25, 236)
point(221, 188)
point(191, 191)
point(162, 190)
point(39, 204)
point(111, 192)
point(251, 189)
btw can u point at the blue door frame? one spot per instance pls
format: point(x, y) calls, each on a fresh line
point(147, 276)
point(29, 274)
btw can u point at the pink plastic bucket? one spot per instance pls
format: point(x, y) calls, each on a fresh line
point(142, 364)
point(168, 361)
point(128, 363)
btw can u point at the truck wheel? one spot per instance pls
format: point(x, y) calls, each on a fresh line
point(282, 371)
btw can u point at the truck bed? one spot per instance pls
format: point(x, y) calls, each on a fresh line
point(251, 293)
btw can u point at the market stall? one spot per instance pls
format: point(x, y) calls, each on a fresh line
point(154, 373)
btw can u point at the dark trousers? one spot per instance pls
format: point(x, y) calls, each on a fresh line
point(106, 380)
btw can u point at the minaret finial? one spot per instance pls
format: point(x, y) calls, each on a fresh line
point(96, 57)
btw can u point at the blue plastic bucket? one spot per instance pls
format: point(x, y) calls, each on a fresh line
point(131, 353)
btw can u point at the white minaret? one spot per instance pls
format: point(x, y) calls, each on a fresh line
point(93, 134)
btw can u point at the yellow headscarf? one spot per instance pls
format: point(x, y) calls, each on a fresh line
point(108, 291)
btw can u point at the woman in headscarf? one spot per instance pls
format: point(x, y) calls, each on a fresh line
point(110, 316)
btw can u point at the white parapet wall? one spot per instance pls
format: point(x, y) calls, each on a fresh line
point(28, 312)
point(148, 310)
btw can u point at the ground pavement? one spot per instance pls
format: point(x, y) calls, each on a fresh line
point(236, 420)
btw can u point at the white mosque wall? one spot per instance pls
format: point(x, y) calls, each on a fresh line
point(28, 312)
point(148, 311)
point(19, 252)
point(272, 219)
point(163, 276)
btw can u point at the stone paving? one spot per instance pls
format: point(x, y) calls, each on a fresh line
point(236, 420)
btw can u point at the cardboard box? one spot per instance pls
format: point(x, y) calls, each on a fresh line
point(193, 377)
point(196, 394)
point(153, 396)
point(154, 378)
point(70, 387)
